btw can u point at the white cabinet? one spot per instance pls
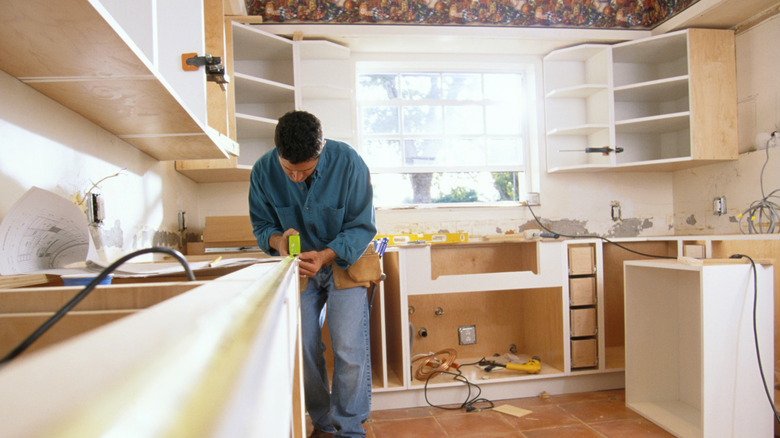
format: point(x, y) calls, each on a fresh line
point(325, 84)
point(271, 76)
point(265, 88)
point(690, 353)
point(664, 103)
point(578, 106)
point(113, 63)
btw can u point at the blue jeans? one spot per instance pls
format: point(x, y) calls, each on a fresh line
point(345, 409)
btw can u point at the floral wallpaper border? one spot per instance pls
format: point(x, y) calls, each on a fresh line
point(520, 13)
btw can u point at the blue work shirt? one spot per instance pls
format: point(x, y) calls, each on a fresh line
point(336, 211)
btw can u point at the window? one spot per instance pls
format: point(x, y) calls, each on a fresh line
point(443, 137)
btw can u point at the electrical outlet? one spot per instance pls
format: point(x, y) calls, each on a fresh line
point(532, 198)
point(95, 208)
point(182, 220)
point(719, 205)
point(467, 334)
point(615, 211)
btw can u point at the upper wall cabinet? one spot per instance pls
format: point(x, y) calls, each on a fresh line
point(263, 89)
point(658, 104)
point(119, 64)
point(325, 83)
point(274, 75)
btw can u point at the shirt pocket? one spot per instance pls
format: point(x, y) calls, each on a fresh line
point(328, 221)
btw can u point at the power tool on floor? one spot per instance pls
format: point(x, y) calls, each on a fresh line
point(531, 366)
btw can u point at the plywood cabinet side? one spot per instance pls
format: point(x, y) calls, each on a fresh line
point(76, 53)
point(215, 339)
point(217, 95)
point(713, 94)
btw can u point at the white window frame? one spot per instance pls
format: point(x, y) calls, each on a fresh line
point(460, 63)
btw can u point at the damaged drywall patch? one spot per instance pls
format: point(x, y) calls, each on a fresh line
point(630, 227)
point(167, 239)
point(564, 227)
point(691, 220)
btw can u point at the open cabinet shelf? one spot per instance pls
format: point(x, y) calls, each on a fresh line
point(669, 102)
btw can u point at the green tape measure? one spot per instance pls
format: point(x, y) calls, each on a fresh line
point(294, 243)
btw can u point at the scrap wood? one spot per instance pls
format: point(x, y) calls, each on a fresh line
point(512, 410)
point(23, 280)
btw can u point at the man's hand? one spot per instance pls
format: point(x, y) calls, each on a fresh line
point(310, 262)
point(281, 242)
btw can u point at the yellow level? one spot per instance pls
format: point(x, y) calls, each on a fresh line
point(404, 239)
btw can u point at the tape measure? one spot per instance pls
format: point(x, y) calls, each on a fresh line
point(294, 245)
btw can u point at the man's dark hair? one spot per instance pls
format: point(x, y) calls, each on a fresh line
point(298, 137)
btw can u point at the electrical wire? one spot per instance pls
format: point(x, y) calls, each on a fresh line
point(442, 360)
point(765, 209)
point(755, 331)
point(556, 235)
point(83, 294)
point(470, 401)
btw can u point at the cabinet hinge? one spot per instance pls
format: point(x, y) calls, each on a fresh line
point(215, 71)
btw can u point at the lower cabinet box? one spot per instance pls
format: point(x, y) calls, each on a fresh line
point(584, 353)
point(582, 291)
point(583, 322)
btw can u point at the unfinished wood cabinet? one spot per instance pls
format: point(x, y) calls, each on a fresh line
point(221, 359)
point(583, 309)
point(24, 310)
point(271, 76)
point(109, 62)
point(263, 90)
point(511, 297)
point(668, 102)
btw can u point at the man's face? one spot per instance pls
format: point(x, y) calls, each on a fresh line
point(300, 171)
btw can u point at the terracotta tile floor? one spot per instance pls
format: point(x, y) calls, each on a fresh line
point(586, 415)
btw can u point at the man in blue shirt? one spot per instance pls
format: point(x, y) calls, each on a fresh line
point(321, 190)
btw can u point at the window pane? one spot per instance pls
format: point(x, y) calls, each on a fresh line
point(422, 120)
point(447, 187)
point(378, 87)
point(452, 121)
point(392, 189)
point(503, 119)
point(466, 152)
point(500, 86)
point(464, 120)
point(421, 86)
point(463, 86)
point(505, 151)
point(422, 152)
point(379, 119)
point(382, 153)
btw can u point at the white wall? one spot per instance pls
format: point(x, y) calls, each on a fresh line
point(758, 93)
point(49, 146)
point(46, 145)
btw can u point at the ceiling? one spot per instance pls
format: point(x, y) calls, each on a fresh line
point(413, 38)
